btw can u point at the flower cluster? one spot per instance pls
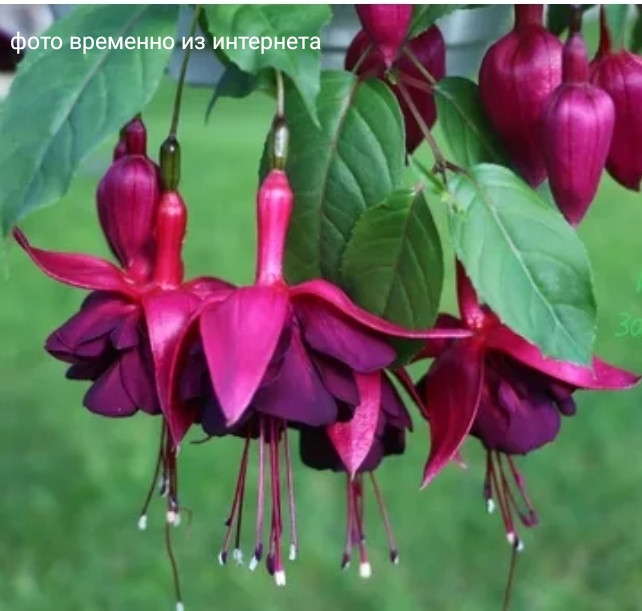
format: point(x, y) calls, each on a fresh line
point(551, 107)
point(273, 360)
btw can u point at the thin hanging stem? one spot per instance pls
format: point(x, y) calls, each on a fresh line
point(511, 577)
point(174, 566)
point(420, 67)
point(280, 95)
point(362, 58)
point(181, 76)
point(440, 160)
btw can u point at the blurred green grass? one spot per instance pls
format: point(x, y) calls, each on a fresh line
point(72, 483)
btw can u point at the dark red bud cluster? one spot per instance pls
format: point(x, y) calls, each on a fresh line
point(407, 80)
point(561, 117)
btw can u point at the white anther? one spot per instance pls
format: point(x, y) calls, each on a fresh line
point(180, 606)
point(237, 554)
point(142, 522)
point(365, 570)
point(520, 546)
point(172, 517)
point(253, 563)
point(510, 537)
point(490, 505)
point(221, 558)
point(396, 560)
point(292, 555)
point(279, 578)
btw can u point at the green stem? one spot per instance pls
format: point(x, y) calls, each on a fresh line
point(181, 76)
point(280, 95)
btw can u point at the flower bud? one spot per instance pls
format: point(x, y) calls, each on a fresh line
point(517, 76)
point(577, 130)
point(620, 75)
point(127, 200)
point(430, 50)
point(386, 26)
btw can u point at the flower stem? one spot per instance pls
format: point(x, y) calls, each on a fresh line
point(280, 95)
point(420, 67)
point(181, 76)
point(440, 160)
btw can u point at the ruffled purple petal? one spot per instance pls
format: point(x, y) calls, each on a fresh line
point(297, 394)
point(108, 396)
point(328, 331)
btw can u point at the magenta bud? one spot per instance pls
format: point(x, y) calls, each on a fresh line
point(430, 50)
point(127, 200)
point(386, 26)
point(517, 76)
point(577, 131)
point(620, 75)
point(132, 140)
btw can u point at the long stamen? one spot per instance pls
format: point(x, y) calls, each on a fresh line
point(277, 527)
point(521, 486)
point(504, 506)
point(294, 541)
point(238, 494)
point(238, 554)
point(142, 520)
point(392, 544)
point(513, 504)
point(173, 513)
point(365, 570)
point(488, 488)
point(258, 541)
point(347, 552)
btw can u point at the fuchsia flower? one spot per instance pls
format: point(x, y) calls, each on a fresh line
point(578, 126)
point(430, 50)
point(386, 26)
point(619, 73)
point(517, 76)
point(377, 430)
point(501, 389)
point(124, 336)
point(279, 356)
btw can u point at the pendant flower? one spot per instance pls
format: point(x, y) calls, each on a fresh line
point(357, 447)
point(280, 356)
point(124, 336)
point(501, 389)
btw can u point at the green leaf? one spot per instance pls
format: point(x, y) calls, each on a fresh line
point(302, 65)
point(559, 15)
point(63, 103)
point(352, 162)
point(424, 15)
point(525, 261)
point(234, 83)
point(636, 34)
point(465, 124)
point(393, 264)
point(616, 17)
